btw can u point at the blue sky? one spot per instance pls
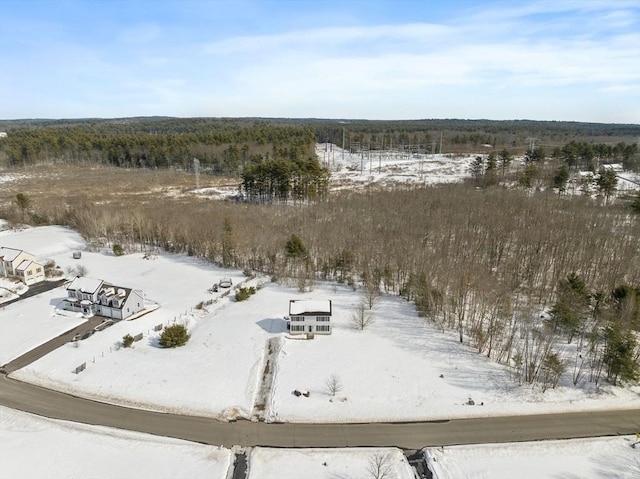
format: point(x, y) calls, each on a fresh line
point(400, 59)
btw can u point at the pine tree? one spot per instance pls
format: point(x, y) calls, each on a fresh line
point(295, 248)
point(619, 352)
point(606, 182)
point(23, 202)
point(561, 178)
point(174, 336)
point(572, 305)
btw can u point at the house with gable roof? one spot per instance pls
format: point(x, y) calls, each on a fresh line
point(310, 316)
point(95, 297)
point(16, 263)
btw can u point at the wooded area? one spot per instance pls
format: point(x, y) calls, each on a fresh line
point(512, 264)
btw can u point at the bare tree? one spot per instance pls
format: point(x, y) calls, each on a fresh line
point(333, 385)
point(380, 467)
point(361, 318)
point(81, 270)
point(371, 290)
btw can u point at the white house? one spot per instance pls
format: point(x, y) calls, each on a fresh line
point(93, 296)
point(310, 316)
point(15, 263)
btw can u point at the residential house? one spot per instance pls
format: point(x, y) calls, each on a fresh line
point(16, 263)
point(309, 316)
point(95, 297)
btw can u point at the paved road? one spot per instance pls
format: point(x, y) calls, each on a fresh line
point(26, 397)
point(37, 288)
point(45, 402)
point(50, 345)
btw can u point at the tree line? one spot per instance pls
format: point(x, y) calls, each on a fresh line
point(225, 144)
point(282, 180)
point(223, 150)
point(511, 270)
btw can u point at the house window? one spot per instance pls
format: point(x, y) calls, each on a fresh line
point(324, 328)
point(297, 318)
point(297, 327)
point(38, 270)
point(323, 318)
point(29, 273)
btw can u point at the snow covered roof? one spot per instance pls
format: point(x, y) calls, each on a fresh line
point(308, 306)
point(24, 265)
point(86, 285)
point(9, 254)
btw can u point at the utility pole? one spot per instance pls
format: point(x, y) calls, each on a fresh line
point(440, 144)
point(196, 168)
point(343, 144)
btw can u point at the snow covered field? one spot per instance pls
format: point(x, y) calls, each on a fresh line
point(353, 171)
point(30, 323)
point(34, 448)
point(398, 369)
point(266, 463)
point(598, 458)
point(349, 170)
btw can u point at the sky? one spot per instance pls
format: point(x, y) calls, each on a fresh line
point(575, 60)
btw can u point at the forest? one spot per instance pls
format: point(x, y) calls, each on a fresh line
point(507, 259)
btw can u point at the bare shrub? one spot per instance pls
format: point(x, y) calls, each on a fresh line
point(333, 385)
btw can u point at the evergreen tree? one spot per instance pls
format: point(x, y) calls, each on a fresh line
point(530, 173)
point(620, 346)
point(491, 170)
point(572, 305)
point(477, 170)
point(505, 159)
point(606, 182)
point(295, 248)
point(23, 202)
point(561, 178)
point(174, 336)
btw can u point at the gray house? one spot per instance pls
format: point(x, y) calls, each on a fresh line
point(310, 316)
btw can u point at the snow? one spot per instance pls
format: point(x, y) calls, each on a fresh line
point(34, 447)
point(267, 463)
point(353, 170)
point(85, 285)
point(63, 241)
point(29, 323)
point(309, 306)
point(597, 458)
point(9, 254)
point(400, 368)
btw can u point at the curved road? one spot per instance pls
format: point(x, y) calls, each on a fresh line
point(413, 435)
